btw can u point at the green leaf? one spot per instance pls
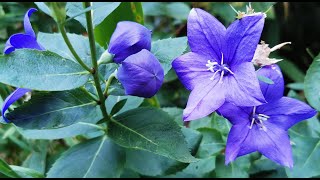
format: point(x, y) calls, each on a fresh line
point(131, 103)
point(117, 107)
point(264, 167)
point(26, 172)
point(95, 158)
point(79, 128)
point(150, 164)
point(38, 157)
point(166, 50)
point(100, 10)
point(290, 69)
point(7, 170)
point(296, 86)
point(55, 43)
point(152, 130)
point(311, 83)
point(176, 10)
point(236, 169)
point(176, 113)
point(41, 70)
point(199, 169)
point(265, 79)
point(126, 11)
point(44, 8)
point(47, 110)
point(107, 69)
point(306, 152)
point(212, 142)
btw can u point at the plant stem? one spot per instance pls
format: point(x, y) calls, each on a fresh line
point(66, 39)
point(94, 61)
point(105, 93)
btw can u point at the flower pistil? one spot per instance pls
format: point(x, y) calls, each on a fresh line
point(216, 68)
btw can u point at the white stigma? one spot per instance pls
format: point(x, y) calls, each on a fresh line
point(216, 68)
point(258, 119)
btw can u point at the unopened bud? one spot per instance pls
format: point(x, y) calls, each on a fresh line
point(105, 58)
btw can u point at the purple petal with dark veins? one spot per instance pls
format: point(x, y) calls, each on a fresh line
point(274, 143)
point(242, 38)
point(128, 38)
point(205, 34)
point(13, 97)
point(20, 41)
point(191, 69)
point(235, 114)
point(27, 25)
point(204, 99)
point(286, 112)
point(141, 74)
point(272, 92)
point(243, 88)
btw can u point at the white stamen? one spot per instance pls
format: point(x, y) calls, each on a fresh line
point(221, 58)
point(221, 76)
point(253, 113)
point(214, 74)
point(264, 115)
point(226, 68)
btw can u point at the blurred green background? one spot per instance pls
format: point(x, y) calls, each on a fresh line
point(286, 21)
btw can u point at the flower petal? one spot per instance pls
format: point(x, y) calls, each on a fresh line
point(236, 136)
point(242, 88)
point(286, 112)
point(191, 69)
point(274, 143)
point(127, 39)
point(272, 92)
point(242, 38)
point(20, 41)
point(13, 97)
point(203, 100)
point(27, 25)
point(141, 74)
point(205, 34)
point(235, 114)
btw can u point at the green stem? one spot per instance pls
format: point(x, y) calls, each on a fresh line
point(66, 39)
point(105, 93)
point(94, 61)
point(154, 101)
point(89, 94)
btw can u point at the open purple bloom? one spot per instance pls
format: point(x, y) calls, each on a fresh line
point(141, 74)
point(127, 39)
point(218, 69)
point(20, 41)
point(264, 128)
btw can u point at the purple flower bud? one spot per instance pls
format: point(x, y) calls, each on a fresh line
point(141, 74)
point(127, 39)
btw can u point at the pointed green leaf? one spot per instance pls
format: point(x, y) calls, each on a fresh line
point(95, 158)
point(126, 11)
point(236, 169)
point(100, 10)
point(166, 50)
point(26, 172)
point(55, 43)
point(311, 83)
point(47, 110)
point(152, 130)
point(65, 132)
point(41, 70)
point(7, 170)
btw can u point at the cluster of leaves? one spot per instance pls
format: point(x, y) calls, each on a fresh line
point(58, 133)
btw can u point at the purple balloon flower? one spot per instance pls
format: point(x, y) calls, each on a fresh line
point(20, 41)
point(127, 39)
point(264, 128)
point(218, 69)
point(141, 74)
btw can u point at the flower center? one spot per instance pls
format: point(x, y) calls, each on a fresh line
point(216, 68)
point(258, 119)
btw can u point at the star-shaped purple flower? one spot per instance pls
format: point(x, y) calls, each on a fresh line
point(218, 69)
point(264, 128)
point(20, 41)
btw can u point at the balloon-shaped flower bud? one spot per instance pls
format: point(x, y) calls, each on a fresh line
point(127, 39)
point(141, 74)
